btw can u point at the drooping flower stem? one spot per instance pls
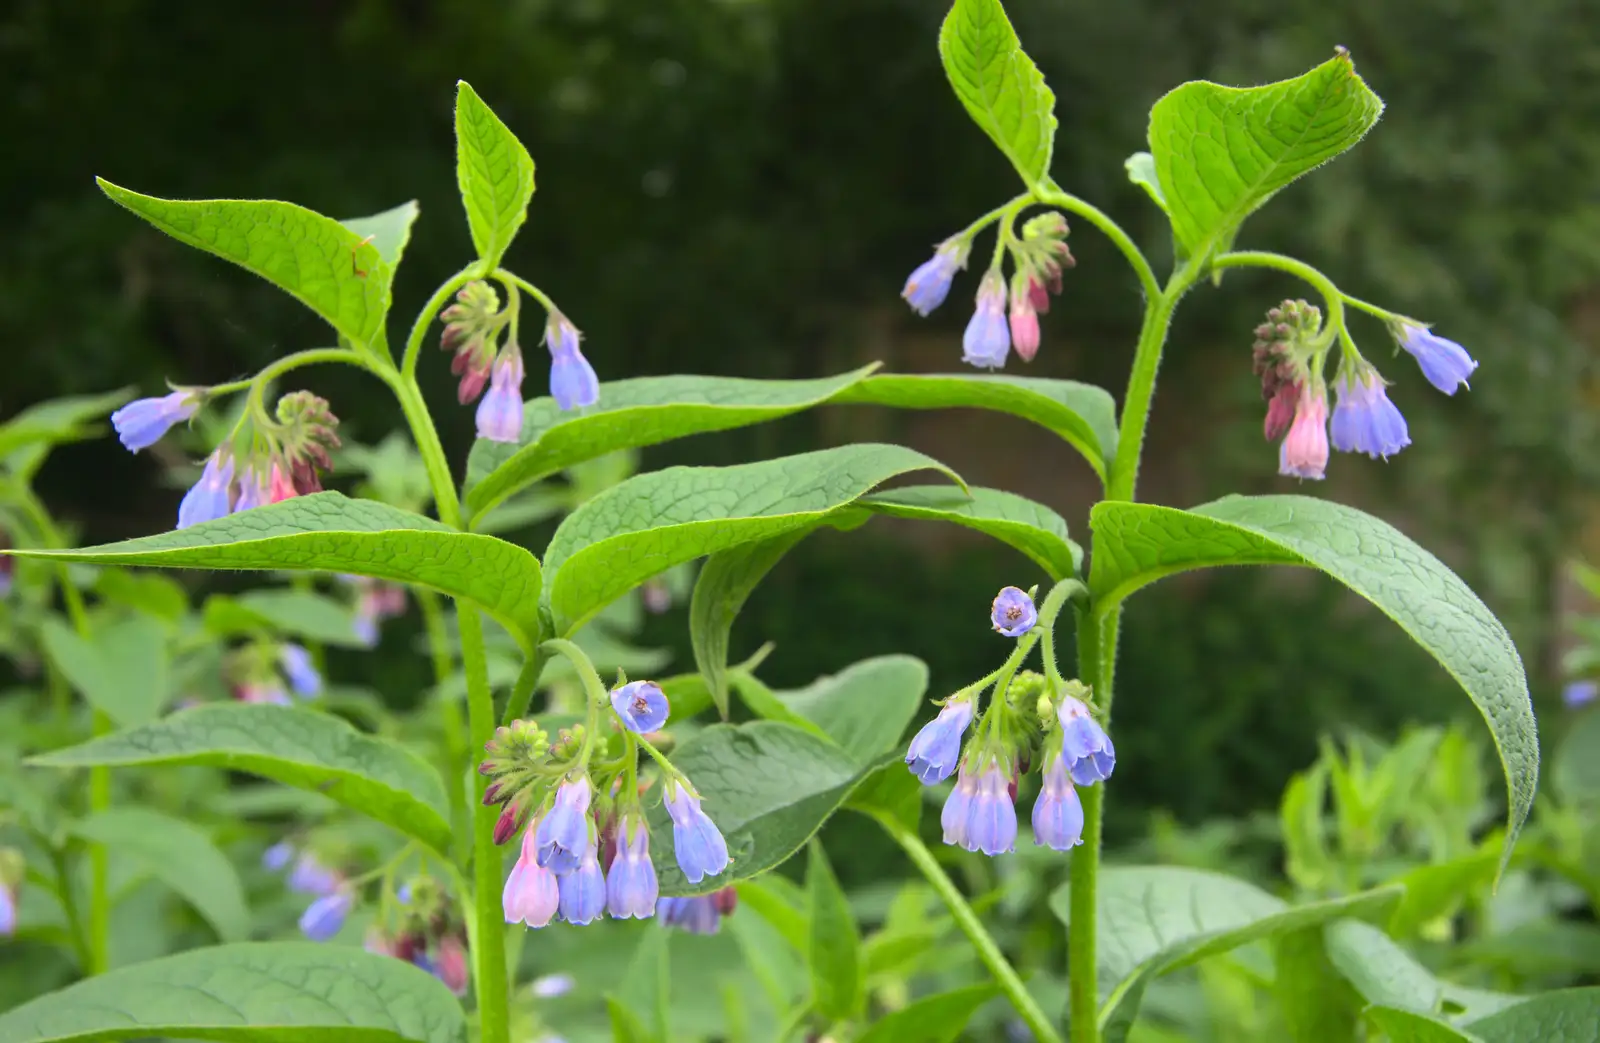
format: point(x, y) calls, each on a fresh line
point(594, 689)
point(1331, 295)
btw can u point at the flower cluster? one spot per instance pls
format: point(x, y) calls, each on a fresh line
point(11, 874)
point(1038, 256)
point(1029, 719)
point(698, 914)
point(267, 671)
point(585, 843)
point(332, 896)
point(1290, 352)
point(375, 602)
point(422, 927)
point(474, 326)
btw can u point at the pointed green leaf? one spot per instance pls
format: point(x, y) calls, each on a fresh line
point(1153, 920)
point(891, 793)
point(726, 580)
point(267, 992)
point(1082, 414)
point(329, 532)
point(654, 521)
point(1221, 152)
point(1025, 524)
point(866, 706)
point(495, 174)
point(180, 856)
point(933, 1019)
point(388, 231)
point(626, 1026)
point(834, 943)
point(1385, 974)
point(1318, 1005)
point(767, 785)
point(633, 414)
point(317, 260)
point(1136, 544)
point(39, 428)
point(1141, 168)
point(312, 751)
point(1563, 1016)
point(765, 704)
point(1408, 1026)
point(998, 83)
point(121, 669)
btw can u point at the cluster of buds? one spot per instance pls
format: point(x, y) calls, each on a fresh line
point(11, 875)
point(472, 328)
point(283, 461)
point(267, 671)
point(332, 895)
point(1038, 255)
point(585, 844)
point(375, 602)
point(423, 929)
point(1030, 717)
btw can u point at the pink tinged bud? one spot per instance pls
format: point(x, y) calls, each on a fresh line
point(1038, 296)
point(505, 826)
point(452, 969)
point(986, 342)
point(474, 374)
point(1304, 453)
point(500, 412)
point(1280, 411)
point(280, 486)
point(1024, 328)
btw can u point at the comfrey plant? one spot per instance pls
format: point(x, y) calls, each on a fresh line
point(732, 802)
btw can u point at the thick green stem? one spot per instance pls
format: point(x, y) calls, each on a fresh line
point(419, 329)
point(1124, 476)
point(970, 925)
point(457, 746)
point(1094, 669)
point(522, 689)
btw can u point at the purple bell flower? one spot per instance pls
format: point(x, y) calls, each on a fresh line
point(697, 915)
point(552, 986)
point(1445, 363)
point(1580, 693)
point(696, 841)
point(500, 411)
point(298, 668)
point(992, 817)
point(936, 749)
point(208, 499)
point(1365, 421)
point(310, 876)
point(1085, 746)
point(583, 891)
point(141, 423)
point(1058, 813)
point(324, 917)
point(641, 705)
point(631, 887)
point(1013, 613)
point(573, 383)
point(957, 806)
point(277, 857)
point(8, 911)
point(987, 340)
point(255, 488)
point(563, 833)
point(928, 286)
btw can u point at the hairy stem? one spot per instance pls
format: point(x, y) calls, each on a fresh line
point(522, 689)
point(1331, 296)
point(1053, 196)
point(988, 952)
point(419, 329)
point(309, 357)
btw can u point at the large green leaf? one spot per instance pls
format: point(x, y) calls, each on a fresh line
point(389, 231)
point(330, 532)
point(1221, 152)
point(1385, 974)
point(654, 521)
point(291, 613)
point(269, 992)
point(632, 414)
point(1153, 920)
point(31, 434)
point(866, 706)
point(726, 579)
point(1025, 524)
point(121, 668)
point(1082, 414)
point(767, 785)
point(312, 751)
point(998, 83)
point(933, 1019)
point(180, 856)
point(1564, 1016)
point(834, 943)
point(1318, 1006)
point(1136, 544)
point(495, 174)
point(319, 261)
point(1409, 1026)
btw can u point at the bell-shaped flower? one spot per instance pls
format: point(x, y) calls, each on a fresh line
point(936, 749)
point(563, 832)
point(696, 841)
point(573, 383)
point(1013, 613)
point(530, 895)
point(1364, 420)
point(631, 888)
point(209, 498)
point(500, 413)
point(1085, 746)
point(1304, 452)
point(641, 706)
point(583, 891)
point(141, 423)
point(928, 286)
point(987, 341)
point(1058, 813)
point(324, 917)
point(1444, 363)
point(299, 669)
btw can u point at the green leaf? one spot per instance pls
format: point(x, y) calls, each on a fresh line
point(1221, 152)
point(765, 704)
point(1385, 974)
point(934, 1019)
point(1082, 414)
point(1318, 1005)
point(998, 83)
point(180, 856)
point(267, 992)
point(389, 231)
point(866, 706)
point(725, 582)
point(626, 1027)
point(1575, 767)
point(1408, 1026)
point(312, 751)
point(1025, 524)
point(1137, 544)
point(654, 521)
point(290, 613)
point(891, 792)
point(149, 592)
point(495, 173)
point(317, 260)
point(1142, 172)
point(767, 785)
point(773, 905)
point(39, 428)
point(633, 414)
point(1433, 891)
point(1153, 920)
point(121, 669)
point(329, 532)
point(834, 945)
point(1564, 1016)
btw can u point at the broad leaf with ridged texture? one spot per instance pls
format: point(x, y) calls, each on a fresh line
point(1136, 544)
point(1563, 1016)
point(1082, 414)
point(1221, 152)
point(1025, 524)
point(726, 579)
point(632, 414)
point(495, 174)
point(1384, 973)
point(264, 992)
point(1409, 1026)
point(833, 943)
point(651, 522)
point(1002, 89)
point(312, 751)
point(317, 260)
point(121, 668)
point(329, 532)
point(866, 706)
point(389, 231)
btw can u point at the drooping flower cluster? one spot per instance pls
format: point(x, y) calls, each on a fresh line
point(267, 671)
point(423, 928)
point(375, 602)
point(1038, 255)
point(474, 326)
point(698, 914)
point(1290, 353)
point(332, 896)
point(1029, 720)
point(585, 847)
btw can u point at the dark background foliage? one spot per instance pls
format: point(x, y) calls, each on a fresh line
point(739, 187)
